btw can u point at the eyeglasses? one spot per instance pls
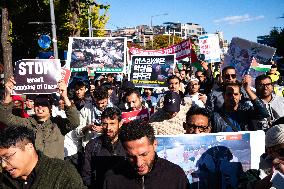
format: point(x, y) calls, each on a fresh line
point(262, 85)
point(228, 76)
point(7, 158)
point(201, 128)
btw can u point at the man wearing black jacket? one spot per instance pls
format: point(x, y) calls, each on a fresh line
point(143, 169)
point(105, 151)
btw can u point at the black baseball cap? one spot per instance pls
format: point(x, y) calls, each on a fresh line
point(172, 102)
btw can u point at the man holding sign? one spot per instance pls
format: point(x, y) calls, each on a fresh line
point(49, 131)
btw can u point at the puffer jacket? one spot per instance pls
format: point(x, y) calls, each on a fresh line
point(49, 135)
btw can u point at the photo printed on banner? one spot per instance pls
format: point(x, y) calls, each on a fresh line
point(151, 71)
point(101, 54)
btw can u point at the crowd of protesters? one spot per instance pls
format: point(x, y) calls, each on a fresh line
point(77, 137)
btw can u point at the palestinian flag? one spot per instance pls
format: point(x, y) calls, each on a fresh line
point(259, 67)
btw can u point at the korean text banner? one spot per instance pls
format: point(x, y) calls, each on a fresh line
point(181, 50)
point(102, 54)
point(215, 158)
point(151, 71)
point(37, 76)
point(242, 53)
point(209, 46)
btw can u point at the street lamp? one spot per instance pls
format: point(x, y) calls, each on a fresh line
point(157, 16)
point(152, 24)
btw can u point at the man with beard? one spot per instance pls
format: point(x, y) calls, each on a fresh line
point(193, 93)
point(90, 116)
point(215, 99)
point(143, 169)
point(273, 103)
point(105, 151)
point(234, 116)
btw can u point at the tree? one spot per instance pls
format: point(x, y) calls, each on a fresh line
point(163, 41)
point(71, 20)
point(276, 39)
point(5, 41)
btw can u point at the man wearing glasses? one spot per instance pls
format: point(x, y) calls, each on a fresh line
point(234, 116)
point(215, 99)
point(197, 121)
point(24, 167)
point(273, 103)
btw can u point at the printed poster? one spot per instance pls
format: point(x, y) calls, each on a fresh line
point(151, 71)
point(101, 54)
point(209, 46)
point(248, 57)
point(209, 158)
point(181, 50)
point(36, 76)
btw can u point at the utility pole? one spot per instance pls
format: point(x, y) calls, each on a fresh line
point(53, 28)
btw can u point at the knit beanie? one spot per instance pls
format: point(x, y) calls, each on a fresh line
point(274, 136)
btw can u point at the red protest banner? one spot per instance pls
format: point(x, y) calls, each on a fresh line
point(181, 50)
point(65, 75)
point(137, 114)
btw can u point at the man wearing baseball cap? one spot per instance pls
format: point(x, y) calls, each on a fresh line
point(169, 119)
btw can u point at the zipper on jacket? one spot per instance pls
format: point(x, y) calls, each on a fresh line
point(143, 184)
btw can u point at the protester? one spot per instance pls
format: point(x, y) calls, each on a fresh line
point(24, 167)
point(81, 97)
point(183, 77)
point(126, 86)
point(197, 121)
point(90, 116)
point(273, 103)
point(169, 119)
point(49, 131)
point(103, 152)
point(234, 116)
point(205, 77)
point(148, 98)
point(271, 163)
point(30, 104)
point(111, 93)
point(92, 87)
point(215, 99)
point(19, 107)
point(273, 73)
point(174, 85)
point(143, 169)
point(193, 93)
point(133, 100)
